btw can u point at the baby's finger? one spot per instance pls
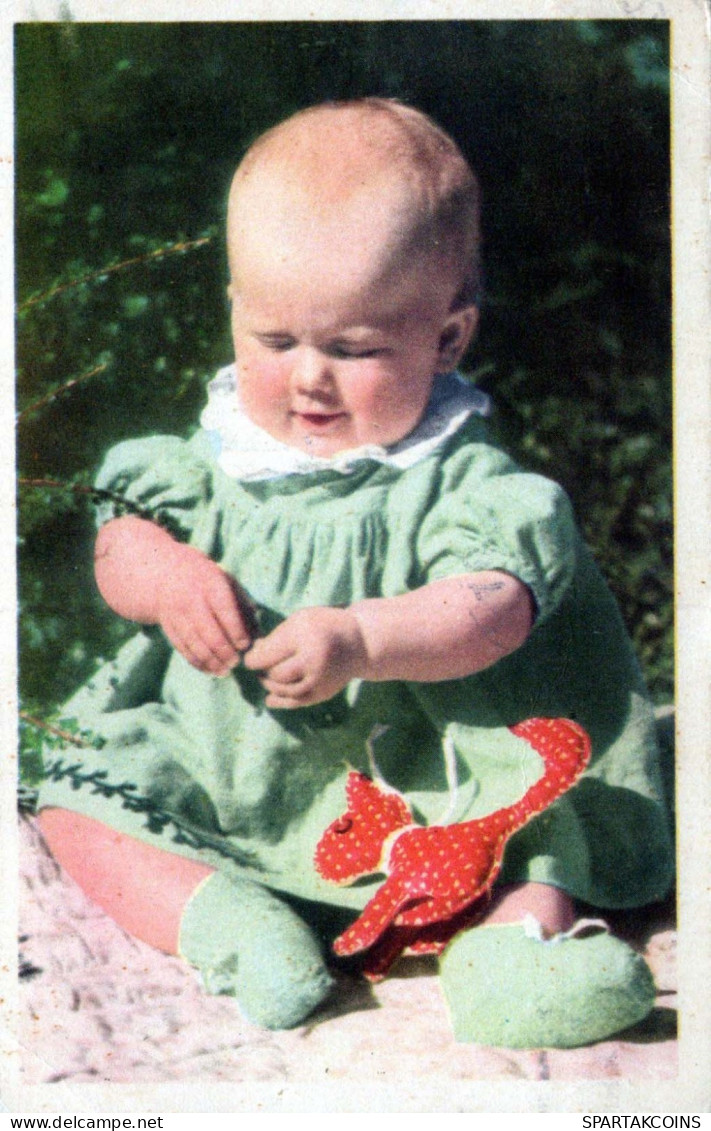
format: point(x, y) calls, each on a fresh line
point(202, 658)
point(267, 652)
point(235, 619)
point(287, 702)
point(285, 674)
point(217, 655)
point(203, 645)
point(198, 658)
point(232, 631)
point(207, 636)
point(296, 692)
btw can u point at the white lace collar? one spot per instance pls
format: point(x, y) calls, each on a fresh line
point(245, 451)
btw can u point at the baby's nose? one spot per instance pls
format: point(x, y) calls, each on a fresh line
point(312, 370)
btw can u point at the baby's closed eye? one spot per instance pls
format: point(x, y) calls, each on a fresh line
point(277, 342)
point(348, 352)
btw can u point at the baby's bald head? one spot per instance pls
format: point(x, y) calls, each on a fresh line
point(335, 171)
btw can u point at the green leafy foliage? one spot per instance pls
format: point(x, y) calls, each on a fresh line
point(127, 136)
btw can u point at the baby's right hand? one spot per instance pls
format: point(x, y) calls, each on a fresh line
point(204, 612)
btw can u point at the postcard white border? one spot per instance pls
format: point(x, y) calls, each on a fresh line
point(691, 1091)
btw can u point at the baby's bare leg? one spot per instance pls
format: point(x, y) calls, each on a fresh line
point(143, 888)
point(552, 907)
point(243, 939)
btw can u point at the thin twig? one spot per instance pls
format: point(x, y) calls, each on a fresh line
point(65, 735)
point(96, 493)
point(100, 495)
point(159, 253)
point(62, 389)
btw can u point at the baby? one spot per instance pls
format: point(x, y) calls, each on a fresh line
point(341, 550)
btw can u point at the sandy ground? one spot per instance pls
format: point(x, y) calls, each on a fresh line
point(97, 1006)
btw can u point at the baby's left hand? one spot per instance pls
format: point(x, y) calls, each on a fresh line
point(309, 658)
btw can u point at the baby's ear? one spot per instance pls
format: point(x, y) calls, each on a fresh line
point(456, 335)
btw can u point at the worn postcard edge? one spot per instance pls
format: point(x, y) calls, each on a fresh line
point(691, 1090)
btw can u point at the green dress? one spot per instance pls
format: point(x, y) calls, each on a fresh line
point(199, 766)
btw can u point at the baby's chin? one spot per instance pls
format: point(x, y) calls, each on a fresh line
point(329, 439)
point(325, 447)
point(334, 437)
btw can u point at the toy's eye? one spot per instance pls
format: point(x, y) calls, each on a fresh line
point(344, 825)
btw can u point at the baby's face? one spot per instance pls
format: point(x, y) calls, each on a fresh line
point(335, 347)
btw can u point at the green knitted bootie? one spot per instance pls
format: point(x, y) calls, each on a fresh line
point(506, 987)
point(247, 943)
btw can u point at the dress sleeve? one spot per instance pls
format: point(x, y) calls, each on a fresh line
point(161, 477)
point(490, 515)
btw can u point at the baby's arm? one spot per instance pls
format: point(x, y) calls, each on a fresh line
point(447, 629)
point(146, 576)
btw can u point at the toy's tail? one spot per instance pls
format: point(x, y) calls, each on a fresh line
point(565, 749)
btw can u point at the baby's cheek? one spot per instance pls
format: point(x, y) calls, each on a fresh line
point(263, 389)
point(391, 413)
point(373, 397)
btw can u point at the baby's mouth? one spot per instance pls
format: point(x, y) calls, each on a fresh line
point(318, 419)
